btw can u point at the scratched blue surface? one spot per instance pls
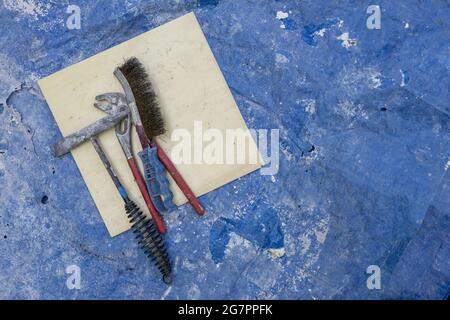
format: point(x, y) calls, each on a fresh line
point(364, 121)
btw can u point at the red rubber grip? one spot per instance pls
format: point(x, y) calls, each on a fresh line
point(179, 180)
point(142, 187)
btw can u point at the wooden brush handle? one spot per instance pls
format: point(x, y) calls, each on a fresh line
point(142, 187)
point(170, 167)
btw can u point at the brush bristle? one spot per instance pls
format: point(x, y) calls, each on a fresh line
point(145, 96)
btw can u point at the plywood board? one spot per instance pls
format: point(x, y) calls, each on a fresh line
point(190, 87)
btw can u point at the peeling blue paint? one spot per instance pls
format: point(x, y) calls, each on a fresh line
point(364, 159)
point(206, 3)
point(261, 227)
point(308, 32)
point(289, 24)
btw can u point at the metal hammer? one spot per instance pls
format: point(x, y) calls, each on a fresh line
point(114, 104)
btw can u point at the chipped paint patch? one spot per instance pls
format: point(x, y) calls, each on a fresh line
point(310, 105)
point(282, 15)
point(405, 78)
point(29, 8)
point(310, 32)
point(305, 243)
point(321, 32)
point(368, 77)
point(277, 253)
point(346, 41)
point(447, 165)
point(376, 80)
point(322, 230)
point(311, 157)
point(348, 109)
point(280, 58)
point(287, 153)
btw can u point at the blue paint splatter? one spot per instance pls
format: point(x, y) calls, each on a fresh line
point(218, 239)
point(205, 3)
point(309, 30)
point(3, 148)
point(289, 24)
point(370, 175)
point(262, 228)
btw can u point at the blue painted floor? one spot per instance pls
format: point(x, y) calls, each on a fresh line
point(364, 119)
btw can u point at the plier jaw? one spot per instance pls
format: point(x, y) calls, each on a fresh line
point(111, 103)
point(123, 134)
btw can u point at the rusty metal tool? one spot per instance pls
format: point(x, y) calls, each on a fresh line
point(123, 133)
point(141, 98)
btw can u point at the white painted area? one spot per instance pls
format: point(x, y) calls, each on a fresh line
point(346, 41)
point(322, 230)
point(287, 153)
point(276, 253)
point(348, 109)
point(369, 76)
point(376, 80)
point(280, 58)
point(310, 105)
point(166, 293)
point(282, 15)
point(313, 238)
point(30, 8)
point(305, 243)
point(240, 245)
point(402, 84)
point(321, 32)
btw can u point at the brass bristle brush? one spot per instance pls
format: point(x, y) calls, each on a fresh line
point(149, 123)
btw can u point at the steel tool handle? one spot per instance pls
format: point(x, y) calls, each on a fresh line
point(75, 139)
point(142, 187)
point(157, 183)
point(170, 167)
